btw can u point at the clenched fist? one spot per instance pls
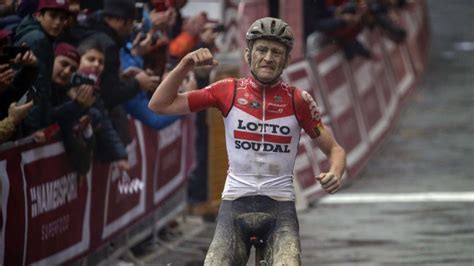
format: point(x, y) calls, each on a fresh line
point(329, 181)
point(200, 57)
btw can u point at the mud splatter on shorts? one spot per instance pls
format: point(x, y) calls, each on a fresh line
point(275, 222)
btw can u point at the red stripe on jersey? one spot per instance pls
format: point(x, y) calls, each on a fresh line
point(247, 135)
point(258, 137)
point(277, 139)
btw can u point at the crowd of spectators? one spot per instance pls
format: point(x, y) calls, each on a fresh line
point(341, 21)
point(77, 69)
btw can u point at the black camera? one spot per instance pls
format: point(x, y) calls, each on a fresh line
point(156, 35)
point(9, 53)
point(80, 79)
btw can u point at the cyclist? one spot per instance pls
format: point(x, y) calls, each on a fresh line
point(263, 117)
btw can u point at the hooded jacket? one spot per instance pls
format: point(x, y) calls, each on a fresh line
point(29, 31)
point(114, 90)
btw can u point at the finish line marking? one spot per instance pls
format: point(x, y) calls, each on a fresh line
point(398, 197)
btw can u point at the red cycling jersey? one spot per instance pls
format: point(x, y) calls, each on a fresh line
point(263, 126)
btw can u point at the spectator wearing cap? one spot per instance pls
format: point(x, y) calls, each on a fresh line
point(38, 31)
point(111, 27)
point(68, 108)
point(16, 75)
point(79, 110)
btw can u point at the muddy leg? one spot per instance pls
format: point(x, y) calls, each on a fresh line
point(227, 247)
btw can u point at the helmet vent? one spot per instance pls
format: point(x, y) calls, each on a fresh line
point(272, 27)
point(282, 30)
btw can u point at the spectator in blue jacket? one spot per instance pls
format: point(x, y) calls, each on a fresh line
point(132, 63)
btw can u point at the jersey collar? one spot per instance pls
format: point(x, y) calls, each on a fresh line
point(258, 87)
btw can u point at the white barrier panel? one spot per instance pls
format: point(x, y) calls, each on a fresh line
point(411, 20)
point(402, 70)
point(370, 99)
point(383, 78)
point(335, 83)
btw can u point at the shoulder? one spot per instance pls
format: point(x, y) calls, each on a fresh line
point(223, 83)
point(34, 37)
point(302, 97)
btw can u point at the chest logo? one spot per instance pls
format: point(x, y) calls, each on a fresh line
point(255, 105)
point(242, 101)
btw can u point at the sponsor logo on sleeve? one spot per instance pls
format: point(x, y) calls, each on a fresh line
point(313, 106)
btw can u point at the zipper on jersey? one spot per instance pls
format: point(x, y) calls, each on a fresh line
point(263, 134)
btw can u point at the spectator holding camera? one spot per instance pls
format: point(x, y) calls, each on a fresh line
point(168, 12)
point(80, 111)
point(379, 15)
point(38, 31)
point(112, 27)
point(69, 104)
point(342, 21)
point(109, 147)
point(18, 68)
point(137, 107)
point(68, 108)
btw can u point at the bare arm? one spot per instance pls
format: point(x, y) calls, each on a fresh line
point(331, 181)
point(166, 99)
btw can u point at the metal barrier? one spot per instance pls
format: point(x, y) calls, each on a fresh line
point(50, 215)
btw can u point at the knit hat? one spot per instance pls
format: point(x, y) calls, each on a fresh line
point(120, 8)
point(53, 4)
point(67, 50)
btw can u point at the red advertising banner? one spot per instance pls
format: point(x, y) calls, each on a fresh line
point(56, 206)
point(125, 194)
point(51, 216)
point(169, 167)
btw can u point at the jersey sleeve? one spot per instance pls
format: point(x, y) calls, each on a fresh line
point(219, 94)
point(307, 113)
